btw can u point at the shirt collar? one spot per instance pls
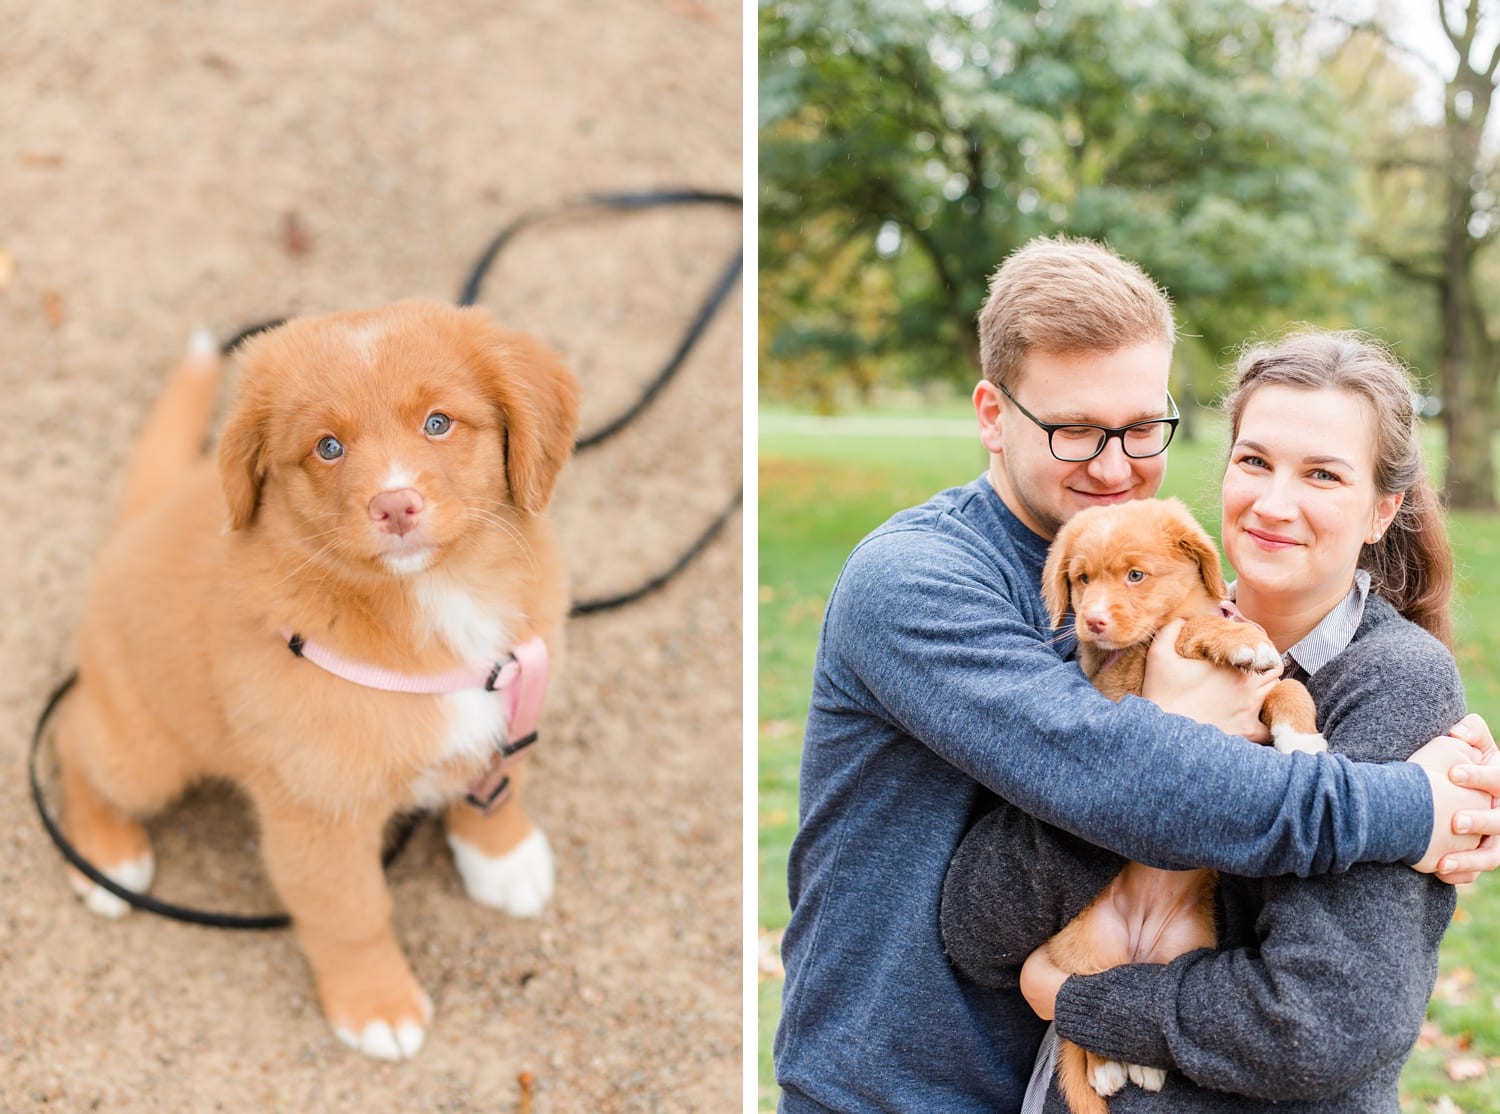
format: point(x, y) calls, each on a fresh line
point(1331, 637)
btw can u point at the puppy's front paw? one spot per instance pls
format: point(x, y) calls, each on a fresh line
point(1287, 740)
point(135, 875)
point(398, 1037)
point(1106, 1077)
point(1148, 1079)
point(1260, 657)
point(519, 882)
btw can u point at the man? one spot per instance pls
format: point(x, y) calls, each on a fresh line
point(939, 684)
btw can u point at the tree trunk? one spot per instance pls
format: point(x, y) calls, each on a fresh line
point(1468, 356)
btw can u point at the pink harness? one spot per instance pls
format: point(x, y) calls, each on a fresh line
point(520, 678)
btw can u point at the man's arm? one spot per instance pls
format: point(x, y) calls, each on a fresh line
point(1197, 689)
point(932, 634)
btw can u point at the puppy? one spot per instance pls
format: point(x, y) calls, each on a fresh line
point(1125, 571)
point(351, 616)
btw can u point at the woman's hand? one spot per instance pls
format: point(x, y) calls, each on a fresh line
point(1463, 769)
point(1483, 775)
point(1228, 699)
point(1041, 979)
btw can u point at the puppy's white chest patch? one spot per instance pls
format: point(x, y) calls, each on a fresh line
point(458, 620)
point(474, 720)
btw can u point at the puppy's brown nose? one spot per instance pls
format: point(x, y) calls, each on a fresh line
point(396, 512)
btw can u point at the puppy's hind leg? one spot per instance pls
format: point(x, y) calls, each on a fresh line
point(504, 860)
point(105, 786)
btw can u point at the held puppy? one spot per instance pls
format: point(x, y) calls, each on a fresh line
point(1124, 571)
point(352, 615)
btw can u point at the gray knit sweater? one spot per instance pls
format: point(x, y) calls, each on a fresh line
point(1317, 991)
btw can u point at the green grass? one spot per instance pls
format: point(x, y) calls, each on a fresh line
point(820, 494)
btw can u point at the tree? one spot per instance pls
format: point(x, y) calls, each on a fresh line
point(922, 144)
point(1440, 244)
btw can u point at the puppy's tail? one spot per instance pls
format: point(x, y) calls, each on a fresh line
point(1073, 1080)
point(172, 439)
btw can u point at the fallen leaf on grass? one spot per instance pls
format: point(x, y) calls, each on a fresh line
point(1429, 1034)
point(1445, 1105)
point(1462, 1070)
point(1453, 987)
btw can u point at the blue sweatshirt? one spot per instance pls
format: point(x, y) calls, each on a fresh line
point(940, 687)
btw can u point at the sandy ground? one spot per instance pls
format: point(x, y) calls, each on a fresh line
point(222, 163)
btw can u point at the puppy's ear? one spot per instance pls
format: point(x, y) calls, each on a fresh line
point(1194, 540)
point(538, 400)
point(242, 468)
point(1055, 574)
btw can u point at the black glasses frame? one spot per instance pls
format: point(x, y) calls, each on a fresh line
point(1106, 432)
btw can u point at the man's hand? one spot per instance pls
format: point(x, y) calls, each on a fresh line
point(1481, 774)
point(1228, 699)
point(1041, 980)
point(1463, 770)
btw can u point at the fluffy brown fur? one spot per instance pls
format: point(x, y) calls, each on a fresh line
point(1125, 571)
point(183, 673)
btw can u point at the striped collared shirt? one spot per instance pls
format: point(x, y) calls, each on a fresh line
point(1331, 636)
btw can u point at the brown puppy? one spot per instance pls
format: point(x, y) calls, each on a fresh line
point(380, 495)
point(1125, 571)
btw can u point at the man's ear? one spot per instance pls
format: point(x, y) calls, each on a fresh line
point(987, 409)
point(242, 468)
point(538, 401)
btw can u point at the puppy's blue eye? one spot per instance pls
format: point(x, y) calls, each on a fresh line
point(329, 448)
point(1135, 576)
point(1084, 578)
point(437, 424)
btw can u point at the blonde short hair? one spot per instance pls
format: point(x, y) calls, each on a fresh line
point(1061, 295)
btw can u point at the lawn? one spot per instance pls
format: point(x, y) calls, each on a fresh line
point(821, 492)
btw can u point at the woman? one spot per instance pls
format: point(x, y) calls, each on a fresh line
point(1317, 991)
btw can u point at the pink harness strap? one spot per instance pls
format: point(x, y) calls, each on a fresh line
point(520, 678)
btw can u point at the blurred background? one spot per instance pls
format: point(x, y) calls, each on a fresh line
point(1332, 163)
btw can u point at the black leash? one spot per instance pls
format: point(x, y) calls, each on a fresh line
point(407, 824)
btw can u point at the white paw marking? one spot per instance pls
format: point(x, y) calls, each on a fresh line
point(134, 875)
point(1287, 741)
point(380, 1042)
point(1107, 1077)
point(519, 883)
point(1266, 658)
point(1149, 1079)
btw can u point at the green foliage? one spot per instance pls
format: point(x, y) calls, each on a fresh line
point(906, 149)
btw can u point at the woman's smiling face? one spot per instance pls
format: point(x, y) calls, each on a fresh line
point(1299, 494)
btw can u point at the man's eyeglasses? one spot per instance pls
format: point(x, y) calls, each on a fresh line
point(1075, 443)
